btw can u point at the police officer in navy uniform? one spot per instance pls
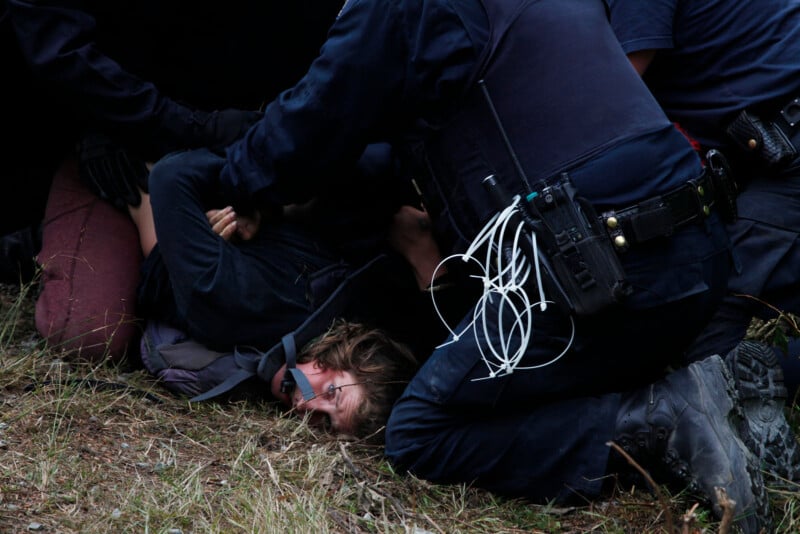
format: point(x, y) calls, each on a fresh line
point(729, 73)
point(707, 63)
point(537, 95)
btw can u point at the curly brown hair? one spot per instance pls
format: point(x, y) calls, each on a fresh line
point(380, 365)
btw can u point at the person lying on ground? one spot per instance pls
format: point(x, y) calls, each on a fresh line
point(229, 280)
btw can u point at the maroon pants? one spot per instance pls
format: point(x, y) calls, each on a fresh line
point(90, 262)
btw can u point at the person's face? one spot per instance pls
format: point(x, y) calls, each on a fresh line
point(337, 397)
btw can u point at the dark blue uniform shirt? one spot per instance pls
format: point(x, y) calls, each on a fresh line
point(390, 65)
point(699, 83)
point(383, 63)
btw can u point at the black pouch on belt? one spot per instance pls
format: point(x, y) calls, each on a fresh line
point(581, 271)
point(762, 140)
point(581, 254)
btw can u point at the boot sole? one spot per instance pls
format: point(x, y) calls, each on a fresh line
point(720, 401)
point(758, 379)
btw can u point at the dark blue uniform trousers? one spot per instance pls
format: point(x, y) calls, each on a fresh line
point(542, 433)
point(766, 277)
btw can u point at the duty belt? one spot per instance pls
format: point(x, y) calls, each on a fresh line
point(662, 215)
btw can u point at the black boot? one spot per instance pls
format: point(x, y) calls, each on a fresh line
point(758, 378)
point(683, 430)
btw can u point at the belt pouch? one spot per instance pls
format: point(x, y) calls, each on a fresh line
point(761, 140)
point(582, 257)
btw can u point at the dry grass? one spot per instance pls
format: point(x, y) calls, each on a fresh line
point(103, 449)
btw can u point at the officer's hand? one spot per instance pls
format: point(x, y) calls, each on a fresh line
point(218, 129)
point(111, 172)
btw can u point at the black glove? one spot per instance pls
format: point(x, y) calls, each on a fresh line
point(111, 172)
point(218, 129)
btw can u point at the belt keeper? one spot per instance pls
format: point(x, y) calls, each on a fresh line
point(703, 189)
point(614, 228)
point(652, 219)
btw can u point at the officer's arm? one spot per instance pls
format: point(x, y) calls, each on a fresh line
point(58, 40)
point(383, 65)
point(643, 28)
point(641, 59)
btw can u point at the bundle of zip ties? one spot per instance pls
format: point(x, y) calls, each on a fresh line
point(503, 329)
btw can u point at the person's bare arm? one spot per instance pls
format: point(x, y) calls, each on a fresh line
point(411, 236)
point(142, 216)
point(641, 59)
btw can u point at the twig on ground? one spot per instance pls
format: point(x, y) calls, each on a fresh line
point(656, 488)
point(688, 519)
point(728, 506)
point(433, 523)
point(339, 520)
point(347, 460)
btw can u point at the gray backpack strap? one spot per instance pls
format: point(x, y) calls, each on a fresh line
point(246, 363)
point(293, 376)
point(302, 383)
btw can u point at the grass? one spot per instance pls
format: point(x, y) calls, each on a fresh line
point(78, 455)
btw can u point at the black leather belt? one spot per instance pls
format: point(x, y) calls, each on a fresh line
point(662, 215)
